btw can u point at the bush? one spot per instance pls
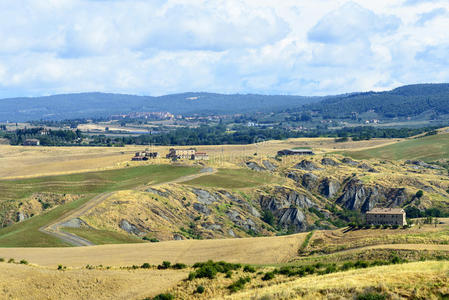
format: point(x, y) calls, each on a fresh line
point(377, 226)
point(347, 265)
point(200, 289)
point(371, 296)
point(179, 266)
point(209, 269)
point(151, 239)
point(228, 274)
point(11, 260)
point(239, 284)
point(61, 267)
point(268, 276)
point(2, 259)
point(395, 226)
point(361, 264)
point(165, 265)
point(249, 269)
point(419, 194)
point(367, 226)
point(145, 266)
point(164, 297)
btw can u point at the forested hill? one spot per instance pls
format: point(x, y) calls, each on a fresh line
point(91, 105)
point(431, 100)
point(406, 101)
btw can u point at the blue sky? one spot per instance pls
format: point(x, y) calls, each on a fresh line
point(157, 47)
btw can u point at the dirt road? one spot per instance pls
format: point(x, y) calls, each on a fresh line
point(54, 228)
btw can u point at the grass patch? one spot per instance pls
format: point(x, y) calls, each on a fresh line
point(93, 182)
point(234, 179)
point(102, 237)
point(427, 148)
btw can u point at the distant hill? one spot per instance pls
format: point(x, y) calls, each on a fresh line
point(90, 105)
point(426, 100)
point(406, 101)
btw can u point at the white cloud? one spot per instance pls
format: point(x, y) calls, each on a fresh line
point(158, 47)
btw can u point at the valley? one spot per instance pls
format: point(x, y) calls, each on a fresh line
point(245, 205)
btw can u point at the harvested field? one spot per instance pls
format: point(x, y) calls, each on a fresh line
point(263, 250)
point(20, 161)
point(44, 283)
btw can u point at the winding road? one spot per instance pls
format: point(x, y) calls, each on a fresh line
point(54, 228)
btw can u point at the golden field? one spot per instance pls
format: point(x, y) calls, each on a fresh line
point(21, 161)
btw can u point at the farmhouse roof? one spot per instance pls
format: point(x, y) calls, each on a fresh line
point(386, 211)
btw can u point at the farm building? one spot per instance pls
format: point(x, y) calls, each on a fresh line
point(386, 216)
point(31, 142)
point(200, 156)
point(295, 152)
point(181, 153)
point(144, 155)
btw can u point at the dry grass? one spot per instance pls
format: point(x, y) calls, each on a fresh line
point(324, 241)
point(423, 280)
point(28, 282)
point(261, 250)
point(19, 161)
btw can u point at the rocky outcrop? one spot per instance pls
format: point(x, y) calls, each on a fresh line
point(329, 162)
point(349, 161)
point(201, 208)
point(307, 165)
point(254, 166)
point(365, 166)
point(204, 196)
point(328, 187)
point(358, 196)
point(270, 166)
point(309, 181)
point(288, 207)
point(422, 164)
point(293, 217)
point(128, 227)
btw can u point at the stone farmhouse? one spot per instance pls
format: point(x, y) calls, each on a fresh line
point(200, 156)
point(386, 216)
point(181, 153)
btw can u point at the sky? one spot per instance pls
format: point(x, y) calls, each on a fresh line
point(155, 47)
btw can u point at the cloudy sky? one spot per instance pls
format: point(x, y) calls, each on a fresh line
point(155, 47)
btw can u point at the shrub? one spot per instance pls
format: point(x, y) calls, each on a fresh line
point(347, 265)
point(11, 260)
point(268, 276)
point(249, 269)
point(179, 266)
point(61, 267)
point(145, 266)
point(377, 226)
point(419, 194)
point(165, 265)
point(151, 239)
point(228, 274)
point(200, 289)
point(361, 264)
point(371, 296)
point(395, 226)
point(367, 226)
point(164, 297)
point(239, 284)
point(2, 259)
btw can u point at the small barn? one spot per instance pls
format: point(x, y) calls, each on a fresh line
point(200, 156)
point(295, 152)
point(31, 142)
point(386, 216)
